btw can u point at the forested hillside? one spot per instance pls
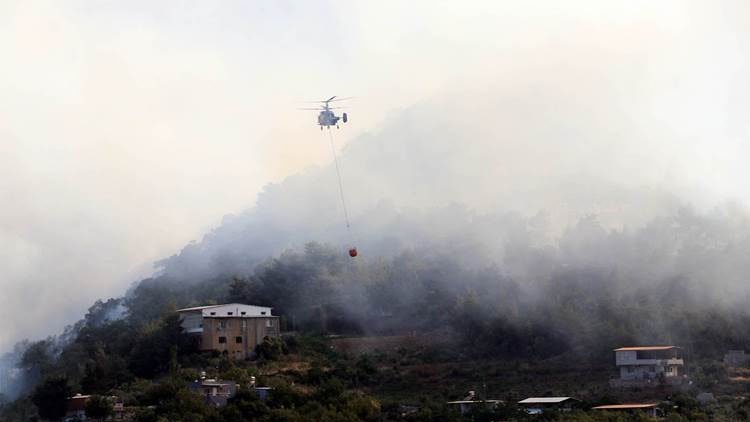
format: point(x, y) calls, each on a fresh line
point(503, 277)
point(675, 280)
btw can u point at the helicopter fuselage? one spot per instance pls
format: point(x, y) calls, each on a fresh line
point(328, 118)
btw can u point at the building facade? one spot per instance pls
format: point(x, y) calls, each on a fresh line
point(649, 364)
point(233, 329)
point(215, 392)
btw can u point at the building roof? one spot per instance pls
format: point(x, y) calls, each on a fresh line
point(545, 400)
point(645, 348)
point(215, 383)
point(626, 406)
point(200, 308)
point(232, 310)
point(197, 308)
point(473, 401)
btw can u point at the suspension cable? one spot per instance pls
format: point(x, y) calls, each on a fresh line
point(338, 174)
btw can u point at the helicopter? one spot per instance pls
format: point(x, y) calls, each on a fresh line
point(327, 117)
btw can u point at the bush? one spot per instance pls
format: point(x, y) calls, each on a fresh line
point(98, 407)
point(271, 349)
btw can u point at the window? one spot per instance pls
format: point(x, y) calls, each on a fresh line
point(244, 324)
point(222, 339)
point(243, 313)
point(221, 326)
point(213, 313)
point(269, 323)
point(262, 312)
point(230, 313)
point(238, 340)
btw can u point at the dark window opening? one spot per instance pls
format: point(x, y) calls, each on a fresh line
point(229, 313)
point(213, 313)
point(238, 340)
point(222, 339)
point(243, 313)
point(262, 312)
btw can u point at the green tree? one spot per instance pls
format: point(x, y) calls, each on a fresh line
point(51, 397)
point(98, 408)
point(271, 348)
point(155, 347)
point(39, 356)
point(246, 404)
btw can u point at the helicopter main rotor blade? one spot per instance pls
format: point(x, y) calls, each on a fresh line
point(330, 99)
point(341, 99)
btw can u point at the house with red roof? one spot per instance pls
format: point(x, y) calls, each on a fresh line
point(650, 409)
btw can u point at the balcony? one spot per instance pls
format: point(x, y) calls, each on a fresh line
point(654, 362)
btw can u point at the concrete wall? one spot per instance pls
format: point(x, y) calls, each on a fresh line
point(646, 372)
point(240, 335)
point(191, 322)
point(625, 357)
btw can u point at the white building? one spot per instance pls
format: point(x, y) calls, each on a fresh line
point(234, 329)
point(537, 405)
point(471, 401)
point(649, 363)
point(192, 318)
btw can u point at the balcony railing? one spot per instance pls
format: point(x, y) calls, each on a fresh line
point(658, 362)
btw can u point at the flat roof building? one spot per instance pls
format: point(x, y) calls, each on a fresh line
point(649, 365)
point(649, 409)
point(215, 392)
point(537, 405)
point(234, 329)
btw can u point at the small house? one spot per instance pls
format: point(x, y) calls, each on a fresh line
point(650, 409)
point(538, 405)
point(471, 401)
point(646, 364)
point(76, 407)
point(215, 392)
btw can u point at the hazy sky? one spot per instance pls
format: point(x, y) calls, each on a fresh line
point(129, 128)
